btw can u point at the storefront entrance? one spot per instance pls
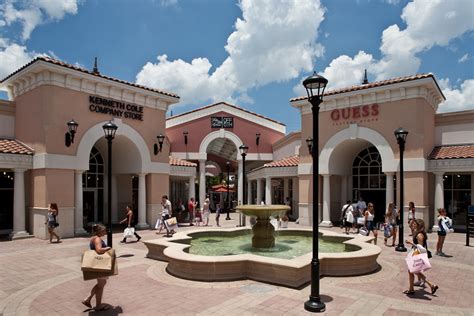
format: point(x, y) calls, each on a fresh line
point(93, 190)
point(6, 204)
point(368, 181)
point(457, 198)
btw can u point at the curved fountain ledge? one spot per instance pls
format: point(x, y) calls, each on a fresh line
point(288, 272)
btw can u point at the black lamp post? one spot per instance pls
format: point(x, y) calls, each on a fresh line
point(243, 151)
point(71, 131)
point(109, 129)
point(315, 86)
point(401, 136)
point(228, 198)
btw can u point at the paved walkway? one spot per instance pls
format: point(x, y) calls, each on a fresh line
point(38, 278)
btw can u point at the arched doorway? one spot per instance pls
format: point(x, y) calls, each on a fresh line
point(368, 180)
point(93, 189)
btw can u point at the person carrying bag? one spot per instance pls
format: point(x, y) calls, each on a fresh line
point(93, 268)
point(129, 231)
point(417, 259)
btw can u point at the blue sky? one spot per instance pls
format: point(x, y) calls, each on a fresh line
point(251, 53)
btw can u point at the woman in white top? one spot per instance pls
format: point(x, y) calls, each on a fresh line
point(369, 221)
point(206, 212)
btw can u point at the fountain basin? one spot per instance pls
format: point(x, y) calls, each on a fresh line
point(293, 273)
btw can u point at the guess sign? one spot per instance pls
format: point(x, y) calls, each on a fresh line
point(355, 113)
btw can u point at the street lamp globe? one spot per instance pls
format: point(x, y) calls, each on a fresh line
point(315, 85)
point(109, 129)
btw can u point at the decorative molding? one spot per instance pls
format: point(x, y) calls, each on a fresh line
point(277, 172)
point(15, 161)
point(451, 165)
point(182, 171)
point(44, 73)
point(421, 88)
point(222, 107)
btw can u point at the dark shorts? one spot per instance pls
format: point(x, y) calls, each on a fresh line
point(371, 226)
point(441, 233)
point(348, 224)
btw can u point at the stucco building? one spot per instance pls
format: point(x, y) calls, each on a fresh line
point(358, 151)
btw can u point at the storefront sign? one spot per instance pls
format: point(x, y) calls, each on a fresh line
point(222, 122)
point(356, 113)
point(115, 108)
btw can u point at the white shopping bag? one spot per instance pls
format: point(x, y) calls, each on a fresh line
point(158, 223)
point(128, 232)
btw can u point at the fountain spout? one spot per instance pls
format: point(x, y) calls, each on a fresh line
point(263, 231)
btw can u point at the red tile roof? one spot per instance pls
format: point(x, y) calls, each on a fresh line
point(63, 64)
point(228, 104)
point(12, 146)
point(292, 161)
point(180, 162)
point(375, 84)
point(452, 152)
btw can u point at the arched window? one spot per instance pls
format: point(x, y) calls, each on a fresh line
point(367, 170)
point(94, 177)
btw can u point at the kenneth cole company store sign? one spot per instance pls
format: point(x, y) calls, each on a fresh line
point(115, 108)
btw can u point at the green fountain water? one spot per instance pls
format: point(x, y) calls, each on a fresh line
point(286, 246)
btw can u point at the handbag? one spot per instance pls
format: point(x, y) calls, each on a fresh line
point(171, 223)
point(417, 262)
point(128, 232)
point(92, 261)
point(360, 220)
point(363, 231)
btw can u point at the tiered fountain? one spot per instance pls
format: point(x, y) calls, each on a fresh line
point(264, 258)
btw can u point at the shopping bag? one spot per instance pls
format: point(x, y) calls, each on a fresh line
point(417, 262)
point(387, 231)
point(158, 223)
point(171, 223)
point(350, 217)
point(447, 225)
point(91, 275)
point(364, 231)
point(92, 261)
point(128, 232)
point(360, 220)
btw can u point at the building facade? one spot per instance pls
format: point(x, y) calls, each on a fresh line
point(199, 156)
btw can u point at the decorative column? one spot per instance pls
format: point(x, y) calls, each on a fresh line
point(268, 191)
point(79, 207)
point(142, 202)
point(240, 183)
point(192, 187)
point(343, 190)
point(249, 192)
point(115, 210)
point(389, 198)
point(259, 191)
point(19, 206)
point(202, 182)
point(439, 197)
point(286, 189)
point(326, 201)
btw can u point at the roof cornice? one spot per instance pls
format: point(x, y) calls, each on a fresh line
point(225, 107)
point(418, 86)
point(45, 71)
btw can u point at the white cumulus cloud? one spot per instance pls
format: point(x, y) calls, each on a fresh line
point(12, 57)
point(274, 41)
point(35, 12)
point(457, 99)
point(428, 23)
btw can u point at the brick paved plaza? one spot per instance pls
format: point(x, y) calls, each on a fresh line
point(38, 278)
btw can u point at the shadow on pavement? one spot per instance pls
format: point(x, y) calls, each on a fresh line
point(113, 310)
